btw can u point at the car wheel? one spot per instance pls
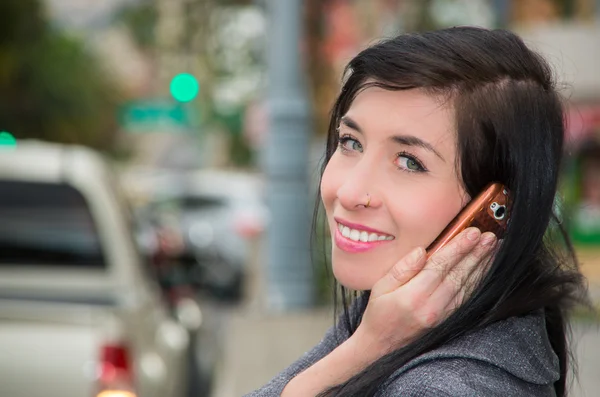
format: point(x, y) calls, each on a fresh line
point(233, 292)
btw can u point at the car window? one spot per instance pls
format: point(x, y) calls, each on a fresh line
point(45, 224)
point(184, 203)
point(192, 203)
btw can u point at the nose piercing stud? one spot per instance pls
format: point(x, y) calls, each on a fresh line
point(368, 201)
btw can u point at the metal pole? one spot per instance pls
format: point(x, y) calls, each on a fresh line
point(502, 11)
point(289, 272)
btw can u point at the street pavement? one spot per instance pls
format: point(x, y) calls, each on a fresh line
point(258, 345)
point(586, 336)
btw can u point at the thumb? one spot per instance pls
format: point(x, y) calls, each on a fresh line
point(401, 273)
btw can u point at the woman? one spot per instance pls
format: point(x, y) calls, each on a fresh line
point(422, 124)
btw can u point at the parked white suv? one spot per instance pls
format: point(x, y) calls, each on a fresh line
point(79, 314)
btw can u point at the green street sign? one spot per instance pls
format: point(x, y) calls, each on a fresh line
point(157, 115)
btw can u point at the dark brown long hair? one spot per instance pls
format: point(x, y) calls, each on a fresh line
point(510, 128)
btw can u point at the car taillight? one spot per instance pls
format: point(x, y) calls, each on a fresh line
point(115, 378)
point(115, 393)
point(248, 226)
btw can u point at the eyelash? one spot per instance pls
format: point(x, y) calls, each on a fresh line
point(346, 138)
point(413, 158)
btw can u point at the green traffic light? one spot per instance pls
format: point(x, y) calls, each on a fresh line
point(7, 140)
point(184, 87)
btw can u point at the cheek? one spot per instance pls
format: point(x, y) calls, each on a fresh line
point(423, 215)
point(329, 183)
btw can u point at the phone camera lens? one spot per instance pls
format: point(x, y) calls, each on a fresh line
point(500, 212)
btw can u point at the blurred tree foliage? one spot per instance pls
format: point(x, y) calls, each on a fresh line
point(51, 87)
point(140, 19)
point(212, 47)
point(323, 77)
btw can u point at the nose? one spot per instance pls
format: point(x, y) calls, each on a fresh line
point(359, 190)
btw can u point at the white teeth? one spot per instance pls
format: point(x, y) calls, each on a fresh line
point(346, 232)
point(364, 237)
point(358, 235)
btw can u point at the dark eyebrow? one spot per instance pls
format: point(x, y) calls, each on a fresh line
point(411, 140)
point(407, 140)
point(348, 122)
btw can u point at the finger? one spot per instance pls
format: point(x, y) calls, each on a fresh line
point(400, 273)
point(438, 266)
point(474, 260)
point(466, 291)
point(462, 279)
point(479, 271)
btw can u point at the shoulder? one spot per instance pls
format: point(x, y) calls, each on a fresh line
point(509, 358)
point(462, 377)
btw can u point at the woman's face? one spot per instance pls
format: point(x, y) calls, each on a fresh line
point(398, 150)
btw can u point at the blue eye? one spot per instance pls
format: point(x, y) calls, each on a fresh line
point(409, 163)
point(347, 143)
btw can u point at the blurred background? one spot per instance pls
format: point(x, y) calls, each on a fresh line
point(158, 168)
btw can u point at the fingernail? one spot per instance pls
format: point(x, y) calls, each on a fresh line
point(473, 234)
point(416, 254)
point(488, 239)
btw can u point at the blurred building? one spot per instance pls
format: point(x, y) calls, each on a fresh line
point(567, 33)
point(222, 44)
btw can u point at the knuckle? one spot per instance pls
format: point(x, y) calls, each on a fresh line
point(479, 252)
point(429, 319)
point(401, 305)
point(463, 247)
point(454, 252)
point(411, 302)
point(437, 263)
point(454, 248)
point(397, 273)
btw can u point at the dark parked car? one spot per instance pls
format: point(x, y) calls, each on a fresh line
point(208, 221)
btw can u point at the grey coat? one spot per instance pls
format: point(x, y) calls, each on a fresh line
point(509, 358)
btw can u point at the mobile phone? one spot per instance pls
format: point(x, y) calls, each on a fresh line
point(489, 212)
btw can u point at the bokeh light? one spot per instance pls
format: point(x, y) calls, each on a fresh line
point(7, 140)
point(184, 87)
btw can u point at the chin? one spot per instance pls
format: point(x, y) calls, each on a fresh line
point(353, 276)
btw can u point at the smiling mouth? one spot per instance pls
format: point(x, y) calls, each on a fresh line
point(361, 235)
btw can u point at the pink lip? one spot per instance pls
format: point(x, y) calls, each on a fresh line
point(345, 244)
point(359, 227)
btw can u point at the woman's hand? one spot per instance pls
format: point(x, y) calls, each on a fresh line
point(416, 294)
